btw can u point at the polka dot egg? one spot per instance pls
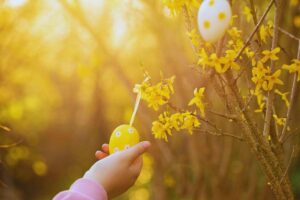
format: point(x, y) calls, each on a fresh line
point(213, 19)
point(123, 137)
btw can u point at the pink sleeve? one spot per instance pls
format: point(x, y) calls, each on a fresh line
point(83, 189)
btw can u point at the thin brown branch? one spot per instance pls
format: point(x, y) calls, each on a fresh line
point(254, 16)
point(270, 98)
point(226, 116)
point(288, 34)
point(275, 124)
point(292, 99)
point(5, 146)
point(289, 164)
point(293, 133)
point(255, 30)
point(221, 134)
point(247, 104)
point(218, 132)
point(5, 128)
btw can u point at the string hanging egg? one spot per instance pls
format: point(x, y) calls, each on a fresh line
point(213, 19)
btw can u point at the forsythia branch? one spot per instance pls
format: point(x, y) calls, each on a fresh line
point(270, 97)
point(221, 134)
point(292, 98)
point(254, 31)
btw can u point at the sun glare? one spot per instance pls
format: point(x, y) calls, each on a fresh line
point(119, 28)
point(15, 3)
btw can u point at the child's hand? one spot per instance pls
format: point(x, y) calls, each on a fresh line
point(119, 171)
point(104, 153)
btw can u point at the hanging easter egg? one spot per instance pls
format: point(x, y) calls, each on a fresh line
point(213, 19)
point(123, 137)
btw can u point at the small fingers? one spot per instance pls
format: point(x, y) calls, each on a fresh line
point(105, 148)
point(100, 155)
point(137, 150)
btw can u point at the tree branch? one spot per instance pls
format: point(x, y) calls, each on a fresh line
point(254, 31)
point(226, 116)
point(288, 34)
point(289, 164)
point(221, 134)
point(292, 98)
point(254, 16)
point(270, 98)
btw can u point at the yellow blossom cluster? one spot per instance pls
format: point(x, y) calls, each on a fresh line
point(247, 12)
point(175, 6)
point(293, 68)
point(266, 31)
point(220, 64)
point(158, 94)
point(196, 39)
point(260, 100)
point(236, 42)
point(162, 128)
point(264, 79)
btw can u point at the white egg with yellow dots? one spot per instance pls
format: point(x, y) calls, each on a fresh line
point(123, 137)
point(213, 19)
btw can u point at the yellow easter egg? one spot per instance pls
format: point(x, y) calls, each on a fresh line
point(213, 19)
point(123, 137)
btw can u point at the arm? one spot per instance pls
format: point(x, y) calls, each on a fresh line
point(100, 181)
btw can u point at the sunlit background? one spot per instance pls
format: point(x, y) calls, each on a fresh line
point(67, 70)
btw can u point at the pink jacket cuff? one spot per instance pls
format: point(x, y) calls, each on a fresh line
point(83, 189)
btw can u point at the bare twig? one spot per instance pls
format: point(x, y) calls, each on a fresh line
point(288, 34)
point(5, 146)
point(221, 134)
point(247, 104)
point(254, 16)
point(290, 135)
point(270, 98)
point(255, 30)
point(275, 124)
point(226, 116)
point(5, 128)
point(292, 98)
point(289, 164)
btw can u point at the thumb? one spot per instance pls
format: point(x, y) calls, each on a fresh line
point(137, 150)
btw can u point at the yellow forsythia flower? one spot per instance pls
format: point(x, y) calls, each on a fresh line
point(198, 100)
point(294, 67)
point(194, 37)
point(158, 94)
point(283, 97)
point(278, 120)
point(175, 6)
point(272, 80)
point(247, 13)
point(162, 128)
point(203, 58)
point(270, 55)
point(263, 78)
point(234, 33)
point(260, 100)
